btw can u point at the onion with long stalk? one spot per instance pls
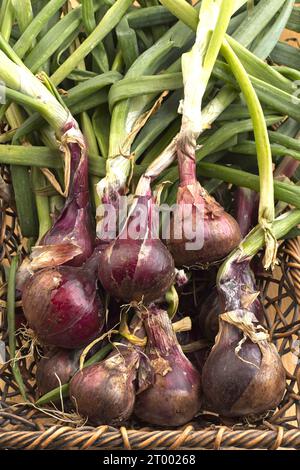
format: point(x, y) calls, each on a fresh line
point(229, 49)
point(71, 238)
point(220, 231)
point(136, 266)
point(54, 312)
point(105, 392)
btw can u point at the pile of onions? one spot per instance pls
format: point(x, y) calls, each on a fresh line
point(137, 266)
point(62, 305)
point(174, 397)
point(105, 392)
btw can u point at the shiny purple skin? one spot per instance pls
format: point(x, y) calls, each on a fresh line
point(174, 397)
point(246, 209)
point(221, 233)
point(74, 224)
point(136, 270)
point(55, 368)
point(248, 383)
point(105, 392)
point(62, 306)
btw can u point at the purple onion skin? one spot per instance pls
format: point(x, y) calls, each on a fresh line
point(140, 268)
point(62, 306)
point(74, 224)
point(105, 392)
point(135, 270)
point(235, 388)
point(246, 209)
point(221, 233)
point(60, 363)
point(174, 397)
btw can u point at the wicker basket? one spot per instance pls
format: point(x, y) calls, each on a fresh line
point(25, 427)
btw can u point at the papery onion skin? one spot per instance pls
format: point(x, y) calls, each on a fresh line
point(62, 306)
point(56, 368)
point(242, 383)
point(74, 224)
point(174, 397)
point(105, 392)
point(221, 233)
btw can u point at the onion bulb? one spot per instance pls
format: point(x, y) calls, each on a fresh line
point(219, 232)
point(137, 266)
point(62, 306)
point(56, 368)
point(105, 392)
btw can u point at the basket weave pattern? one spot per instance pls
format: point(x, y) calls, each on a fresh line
point(25, 427)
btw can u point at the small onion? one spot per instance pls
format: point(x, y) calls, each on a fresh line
point(137, 269)
point(105, 392)
point(56, 368)
point(221, 233)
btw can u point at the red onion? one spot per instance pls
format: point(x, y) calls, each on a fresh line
point(238, 290)
point(137, 267)
point(221, 233)
point(243, 374)
point(105, 392)
point(174, 397)
point(56, 368)
point(62, 306)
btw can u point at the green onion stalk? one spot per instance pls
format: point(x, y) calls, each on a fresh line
point(220, 230)
point(264, 156)
point(126, 122)
point(266, 208)
point(71, 233)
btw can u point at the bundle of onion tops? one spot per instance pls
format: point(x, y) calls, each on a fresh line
point(152, 312)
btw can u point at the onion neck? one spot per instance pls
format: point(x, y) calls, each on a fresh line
point(162, 339)
point(186, 159)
